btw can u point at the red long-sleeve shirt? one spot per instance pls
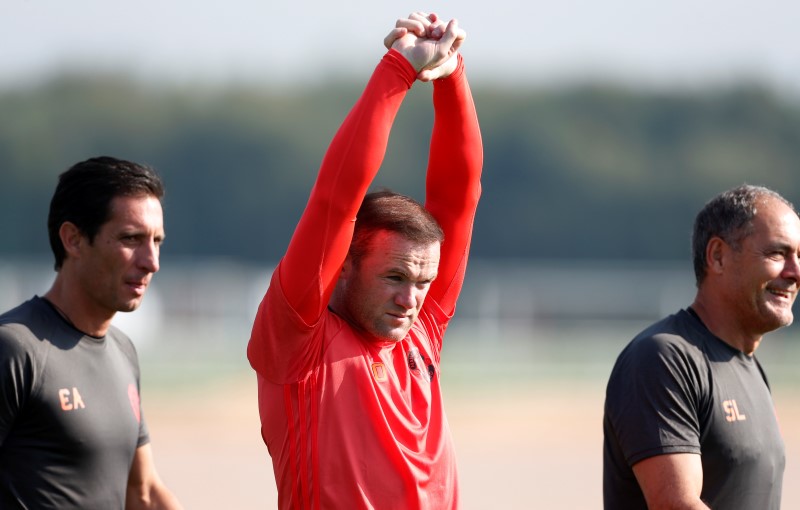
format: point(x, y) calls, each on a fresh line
point(350, 422)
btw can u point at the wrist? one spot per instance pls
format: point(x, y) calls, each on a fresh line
point(458, 69)
point(401, 64)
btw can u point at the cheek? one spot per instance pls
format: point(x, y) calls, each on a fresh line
point(421, 295)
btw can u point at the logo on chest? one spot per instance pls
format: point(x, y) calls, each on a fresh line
point(422, 366)
point(732, 413)
point(379, 372)
point(70, 399)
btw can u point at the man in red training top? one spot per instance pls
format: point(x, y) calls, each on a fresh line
point(347, 340)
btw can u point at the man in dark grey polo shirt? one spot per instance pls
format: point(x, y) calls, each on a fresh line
point(72, 434)
point(689, 419)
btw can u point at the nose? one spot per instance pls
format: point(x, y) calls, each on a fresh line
point(148, 256)
point(791, 268)
point(406, 297)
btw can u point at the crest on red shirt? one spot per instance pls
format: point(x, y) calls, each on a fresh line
point(379, 372)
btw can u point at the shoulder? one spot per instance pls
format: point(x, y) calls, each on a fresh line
point(673, 346)
point(675, 335)
point(16, 341)
point(20, 329)
point(24, 349)
point(123, 342)
point(24, 314)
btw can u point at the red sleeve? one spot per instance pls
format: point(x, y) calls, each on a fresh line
point(453, 180)
point(311, 266)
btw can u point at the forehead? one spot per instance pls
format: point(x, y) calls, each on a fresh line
point(776, 220)
point(140, 211)
point(390, 249)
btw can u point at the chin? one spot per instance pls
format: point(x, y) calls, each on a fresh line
point(129, 306)
point(784, 316)
point(778, 322)
point(392, 335)
point(389, 337)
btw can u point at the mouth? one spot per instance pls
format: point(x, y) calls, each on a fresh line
point(781, 293)
point(398, 317)
point(136, 286)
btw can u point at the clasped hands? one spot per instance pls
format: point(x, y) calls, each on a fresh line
point(429, 44)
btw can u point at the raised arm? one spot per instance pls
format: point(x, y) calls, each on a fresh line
point(309, 270)
point(453, 179)
point(311, 266)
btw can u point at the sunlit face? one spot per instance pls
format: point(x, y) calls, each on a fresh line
point(115, 269)
point(383, 294)
point(765, 272)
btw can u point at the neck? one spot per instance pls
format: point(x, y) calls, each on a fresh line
point(73, 308)
point(721, 325)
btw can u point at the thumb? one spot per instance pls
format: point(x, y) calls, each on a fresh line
point(395, 34)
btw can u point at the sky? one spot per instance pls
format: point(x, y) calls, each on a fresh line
point(646, 42)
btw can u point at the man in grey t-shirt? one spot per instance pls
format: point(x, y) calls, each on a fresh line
point(72, 434)
point(689, 421)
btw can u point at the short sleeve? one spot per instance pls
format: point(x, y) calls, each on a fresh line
point(16, 376)
point(653, 397)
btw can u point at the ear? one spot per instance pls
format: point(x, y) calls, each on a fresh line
point(337, 300)
point(347, 268)
point(716, 254)
point(71, 238)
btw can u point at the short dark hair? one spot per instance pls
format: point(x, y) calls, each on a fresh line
point(728, 216)
point(84, 193)
point(386, 210)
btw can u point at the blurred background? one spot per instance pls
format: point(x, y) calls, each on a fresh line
point(606, 128)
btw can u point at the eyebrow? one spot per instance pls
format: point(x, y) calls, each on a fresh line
point(782, 246)
point(138, 232)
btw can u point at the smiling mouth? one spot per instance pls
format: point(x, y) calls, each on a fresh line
point(781, 293)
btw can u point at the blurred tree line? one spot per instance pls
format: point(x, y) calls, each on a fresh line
point(575, 172)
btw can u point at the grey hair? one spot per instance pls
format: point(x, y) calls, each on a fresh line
point(728, 216)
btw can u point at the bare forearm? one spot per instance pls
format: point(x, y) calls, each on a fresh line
point(679, 505)
point(156, 497)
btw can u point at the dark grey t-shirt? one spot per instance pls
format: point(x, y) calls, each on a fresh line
point(677, 388)
point(70, 418)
